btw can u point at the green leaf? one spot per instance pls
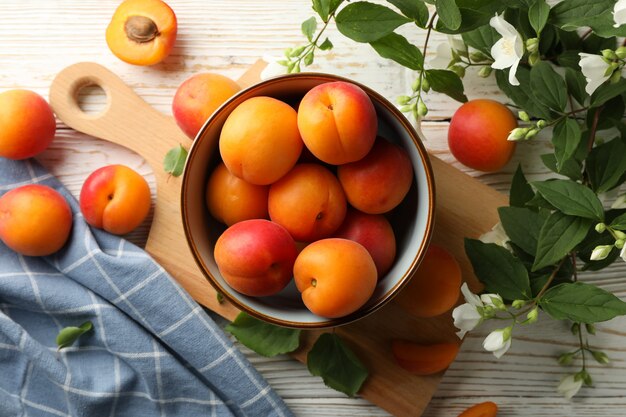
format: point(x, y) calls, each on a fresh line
point(558, 236)
point(566, 138)
point(569, 58)
point(482, 38)
point(619, 222)
point(571, 14)
point(606, 92)
point(367, 22)
point(571, 168)
point(326, 45)
point(538, 15)
point(68, 335)
point(606, 164)
point(498, 269)
point(522, 226)
point(580, 302)
point(264, 338)
point(446, 82)
point(521, 192)
point(576, 83)
point(571, 198)
point(413, 9)
point(338, 366)
point(325, 8)
point(397, 48)
point(308, 28)
point(449, 13)
point(522, 95)
point(174, 160)
point(548, 87)
point(539, 202)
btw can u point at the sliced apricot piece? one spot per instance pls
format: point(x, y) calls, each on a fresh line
point(435, 287)
point(486, 409)
point(424, 359)
point(142, 32)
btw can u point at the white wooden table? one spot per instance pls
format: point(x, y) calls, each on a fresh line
point(40, 37)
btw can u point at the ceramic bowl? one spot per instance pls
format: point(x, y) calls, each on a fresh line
point(412, 220)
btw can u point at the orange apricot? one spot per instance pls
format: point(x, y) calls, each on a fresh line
point(142, 32)
point(260, 141)
point(231, 199)
point(478, 134)
point(486, 409)
point(424, 359)
point(435, 287)
point(35, 220)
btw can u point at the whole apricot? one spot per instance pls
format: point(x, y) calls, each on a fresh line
point(35, 220)
point(231, 199)
point(379, 182)
point(338, 122)
point(374, 232)
point(335, 276)
point(435, 287)
point(478, 134)
point(424, 359)
point(115, 198)
point(260, 141)
point(256, 257)
point(486, 409)
point(27, 124)
point(198, 97)
point(142, 32)
point(308, 202)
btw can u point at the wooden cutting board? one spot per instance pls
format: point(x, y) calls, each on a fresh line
point(465, 208)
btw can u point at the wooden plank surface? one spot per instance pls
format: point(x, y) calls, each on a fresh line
point(39, 38)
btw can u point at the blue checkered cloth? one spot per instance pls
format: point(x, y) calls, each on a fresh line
point(153, 350)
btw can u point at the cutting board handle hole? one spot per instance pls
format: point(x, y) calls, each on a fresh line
point(91, 98)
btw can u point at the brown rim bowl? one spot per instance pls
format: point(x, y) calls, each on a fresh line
point(412, 220)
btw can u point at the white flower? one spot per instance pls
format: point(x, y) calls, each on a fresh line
point(507, 51)
point(619, 13)
point(569, 386)
point(498, 342)
point(466, 316)
point(273, 68)
point(622, 254)
point(600, 252)
point(492, 300)
point(620, 202)
point(442, 58)
point(496, 235)
point(594, 69)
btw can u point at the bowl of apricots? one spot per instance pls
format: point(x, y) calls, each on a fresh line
point(308, 200)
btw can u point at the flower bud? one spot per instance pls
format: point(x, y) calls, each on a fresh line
point(531, 133)
point(422, 110)
point(566, 358)
point(600, 227)
point(617, 75)
point(296, 51)
point(621, 52)
point(532, 316)
point(523, 116)
point(288, 52)
point(309, 58)
point(517, 134)
point(609, 54)
point(619, 243)
point(519, 304)
point(575, 329)
point(600, 357)
point(478, 56)
point(403, 99)
point(587, 379)
point(533, 58)
point(425, 85)
point(600, 252)
point(541, 124)
point(619, 234)
point(416, 84)
point(405, 108)
point(485, 71)
point(532, 45)
point(611, 68)
point(591, 329)
point(458, 70)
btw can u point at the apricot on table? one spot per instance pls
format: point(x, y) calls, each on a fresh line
point(337, 121)
point(142, 32)
point(256, 257)
point(435, 287)
point(35, 220)
point(308, 202)
point(379, 182)
point(260, 141)
point(115, 198)
point(374, 232)
point(486, 409)
point(27, 124)
point(231, 199)
point(478, 132)
point(198, 97)
point(424, 359)
point(335, 276)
